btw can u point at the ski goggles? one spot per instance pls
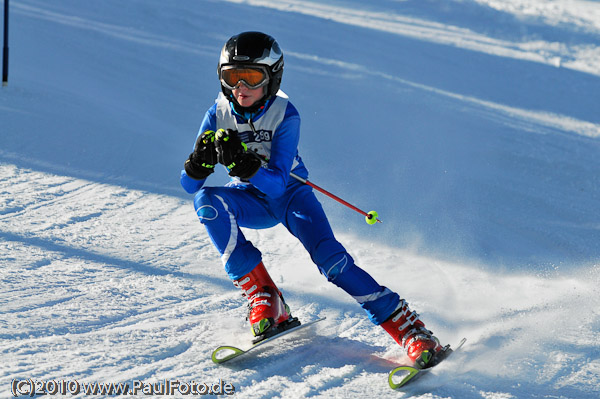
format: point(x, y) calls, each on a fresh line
point(252, 76)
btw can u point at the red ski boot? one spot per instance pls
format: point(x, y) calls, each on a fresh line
point(410, 333)
point(268, 312)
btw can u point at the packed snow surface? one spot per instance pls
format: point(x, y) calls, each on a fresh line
point(471, 126)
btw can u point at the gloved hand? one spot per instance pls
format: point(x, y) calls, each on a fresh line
point(202, 161)
point(234, 154)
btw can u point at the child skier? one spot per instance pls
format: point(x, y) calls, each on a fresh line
point(253, 130)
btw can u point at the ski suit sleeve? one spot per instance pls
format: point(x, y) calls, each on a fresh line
point(208, 123)
point(273, 179)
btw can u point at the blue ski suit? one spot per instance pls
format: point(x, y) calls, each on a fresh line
point(271, 197)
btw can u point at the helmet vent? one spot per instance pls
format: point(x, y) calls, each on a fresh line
point(241, 58)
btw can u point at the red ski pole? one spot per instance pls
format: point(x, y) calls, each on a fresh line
point(370, 217)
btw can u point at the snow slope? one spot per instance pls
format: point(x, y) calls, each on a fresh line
point(472, 127)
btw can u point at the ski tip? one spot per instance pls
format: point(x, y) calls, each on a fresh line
point(408, 373)
point(225, 353)
point(402, 375)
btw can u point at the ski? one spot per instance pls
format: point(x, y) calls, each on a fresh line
point(411, 374)
point(227, 352)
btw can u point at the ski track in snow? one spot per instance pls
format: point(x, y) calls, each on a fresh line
point(543, 121)
point(126, 33)
point(584, 57)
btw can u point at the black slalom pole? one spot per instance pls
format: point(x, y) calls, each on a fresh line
point(5, 47)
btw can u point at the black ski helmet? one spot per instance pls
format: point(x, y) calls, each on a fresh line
point(253, 48)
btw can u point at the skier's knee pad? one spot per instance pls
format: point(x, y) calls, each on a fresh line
point(203, 203)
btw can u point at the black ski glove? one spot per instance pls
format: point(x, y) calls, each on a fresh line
point(234, 154)
point(202, 161)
